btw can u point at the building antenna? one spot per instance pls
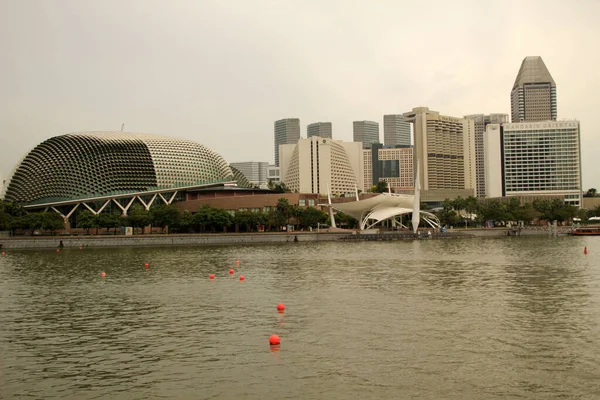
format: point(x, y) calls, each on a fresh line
point(122, 126)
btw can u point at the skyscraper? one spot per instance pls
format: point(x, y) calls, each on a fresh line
point(366, 132)
point(321, 129)
point(533, 96)
point(396, 130)
point(254, 171)
point(287, 131)
point(534, 159)
point(481, 121)
point(319, 165)
point(445, 152)
point(392, 165)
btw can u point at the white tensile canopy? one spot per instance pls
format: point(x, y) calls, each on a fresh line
point(371, 211)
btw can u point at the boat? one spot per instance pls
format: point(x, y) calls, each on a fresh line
point(585, 231)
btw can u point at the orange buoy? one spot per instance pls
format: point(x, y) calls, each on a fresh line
point(80, 248)
point(211, 276)
point(3, 253)
point(58, 250)
point(585, 250)
point(242, 277)
point(274, 340)
point(231, 272)
point(146, 265)
point(103, 274)
point(280, 307)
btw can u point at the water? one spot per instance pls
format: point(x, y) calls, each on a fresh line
point(450, 319)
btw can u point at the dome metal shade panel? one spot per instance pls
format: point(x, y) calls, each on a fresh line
point(95, 164)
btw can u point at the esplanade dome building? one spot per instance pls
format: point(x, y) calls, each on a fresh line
point(106, 166)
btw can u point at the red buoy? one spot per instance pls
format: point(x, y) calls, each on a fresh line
point(146, 265)
point(585, 250)
point(280, 307)
point(231, 272)
point(58, 250)
point(80, 248)
point(211, 276)
point(103, 274)
point(274, 340)
point(242, 277)
point(3, 253)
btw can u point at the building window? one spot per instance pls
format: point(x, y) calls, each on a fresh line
point(266, 209)
point(311, 202)
point(302, 202)
point(255, 210)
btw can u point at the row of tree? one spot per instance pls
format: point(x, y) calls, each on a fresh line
point(206, 219)
point(209, 219)
point(470, 210)
point(13, 217)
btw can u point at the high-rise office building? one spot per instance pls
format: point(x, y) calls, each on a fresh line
point(445, 152)
point(533, 96)
point(315, 164)
point(254, 171)
point(534, 159)
point(287, 131)
point(396, 130)
point(392, 165)
point(481, 121)
point(321, 129)
point(366, 132)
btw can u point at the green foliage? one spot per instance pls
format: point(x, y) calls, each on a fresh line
point(87, 220)
point(379, 187)
point(52, 221)
point(554, 209)
point(345, 220)
point(138, 217)
point(164, 215)
point(278, 187)
point(110, 220)
point(311, 217)
point(10, 215)
point(590, 193)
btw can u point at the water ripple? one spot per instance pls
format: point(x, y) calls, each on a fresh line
point(460, 319)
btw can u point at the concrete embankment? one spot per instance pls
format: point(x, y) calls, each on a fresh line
point(164, 240)
point(51, 242)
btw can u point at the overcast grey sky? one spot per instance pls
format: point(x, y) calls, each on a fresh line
point(220, 72)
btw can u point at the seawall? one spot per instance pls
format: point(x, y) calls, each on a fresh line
point(53, 242)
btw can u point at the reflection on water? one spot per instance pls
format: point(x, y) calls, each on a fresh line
point(456, 319)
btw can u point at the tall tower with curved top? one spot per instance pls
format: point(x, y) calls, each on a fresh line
point(533, 96)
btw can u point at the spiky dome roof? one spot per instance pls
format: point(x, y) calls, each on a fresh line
point(95, 164)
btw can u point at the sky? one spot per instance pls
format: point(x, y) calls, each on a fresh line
point(221, 72)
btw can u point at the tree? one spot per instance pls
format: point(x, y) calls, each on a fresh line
point(110, 220)
point(345, 220)
point(278, 187)
point(284, 210)
point(164, 215)
point(590, 193)
point(311, 217)
point(138, 217)
point(380, 187)
point(185, 222)
point(471, 205)
point(6, 220)
point(221, 219)
point(52, 221)
point(87, 220)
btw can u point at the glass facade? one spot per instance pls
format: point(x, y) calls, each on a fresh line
point(542, 157)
